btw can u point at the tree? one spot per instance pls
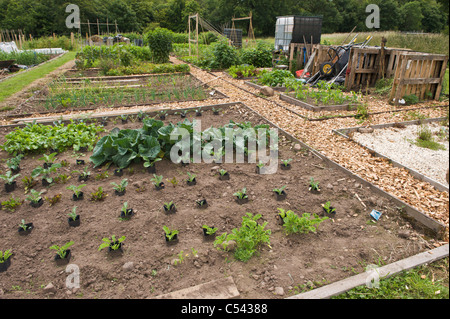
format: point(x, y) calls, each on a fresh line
point(433, 19)
point(411, 16)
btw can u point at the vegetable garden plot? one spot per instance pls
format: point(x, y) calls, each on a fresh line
point(343, 243)
point(92, 93)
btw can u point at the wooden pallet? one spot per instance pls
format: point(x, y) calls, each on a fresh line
point(420, 74)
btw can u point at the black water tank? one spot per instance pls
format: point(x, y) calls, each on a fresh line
point(307, 27)
point(235, 35)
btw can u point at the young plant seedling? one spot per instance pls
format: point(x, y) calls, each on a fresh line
point(77, 193)
point(157, 181)
point(191, 179)
point(183, 114)
point(4, 257)
point(328, 209)
point(46, 179)
point(224, 175)
point(82, 175)
point(25, 228)
point(124, 118)
point(73, 215)
point(171, 235)
point(202, 203)
point(120, 188)
point(11, 204)
point(10, 183)
point(149, 164)
point(215, 111)
point(48, 159)
point(313, 185)
point(198, 112)
point(14, 163)
point(99, 195)
point(279, 191)
point(162, 115)
point(241, 196)
point(112, 244)
point(170, 207)
point(209, 231)
point(285, 164)
point(63, 251)
point(53, 200)
point(126, 212)
point(35, 198)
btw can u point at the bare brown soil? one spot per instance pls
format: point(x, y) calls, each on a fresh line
point(342, 246)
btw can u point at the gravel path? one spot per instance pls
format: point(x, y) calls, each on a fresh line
point(396, 144)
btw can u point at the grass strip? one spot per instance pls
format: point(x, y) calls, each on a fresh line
point(20, 81)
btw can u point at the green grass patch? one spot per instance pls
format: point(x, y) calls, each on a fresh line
point(426, 140)
point(425, 282)
point(18, 82)
point(431, 43)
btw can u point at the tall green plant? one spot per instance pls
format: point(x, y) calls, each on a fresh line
point(160, 43)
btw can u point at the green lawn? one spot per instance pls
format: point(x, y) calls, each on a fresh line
point(18, 82)
point(425, 282)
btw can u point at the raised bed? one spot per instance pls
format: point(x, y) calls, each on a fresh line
point(259, 87)
point(348, 133)
point(316, 108)
point(123, 92)
point(340, 243)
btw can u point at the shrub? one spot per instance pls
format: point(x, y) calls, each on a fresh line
point(259, 56)
point(275, 77)
point(224, 56)
point(247, 238)
point(160, 43)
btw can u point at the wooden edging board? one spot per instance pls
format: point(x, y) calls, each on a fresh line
point(344, 132)
point(342, 286)
point(310, 107)
point(431, 226)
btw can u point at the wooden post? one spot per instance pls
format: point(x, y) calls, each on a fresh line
point(107, 26)
point(115, 22)
point(71, 38)
point(89, 28)
point(189, 38)
point(381, 69)
point(196, 31)
point(98, 28)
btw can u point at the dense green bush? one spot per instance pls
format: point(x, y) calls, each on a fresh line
point(120, 54)
point(160, 43)
point(259, 56)
point(275, 77)
point(224, 56)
